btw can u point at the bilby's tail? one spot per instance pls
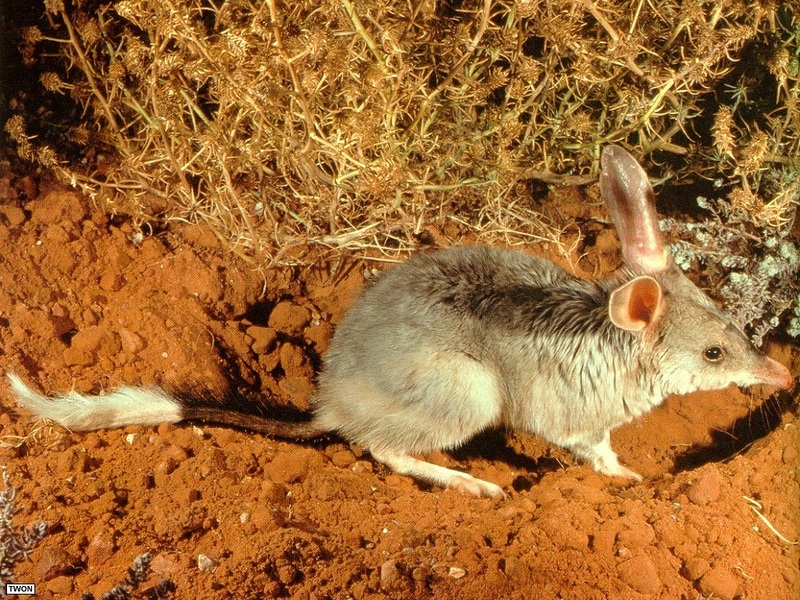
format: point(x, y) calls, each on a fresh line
point(125, 406)
point(146, 406)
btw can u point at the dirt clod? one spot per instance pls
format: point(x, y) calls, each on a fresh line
point(289, 318)
point(641, 574)
point(695, 568)
point(707, 488)
point(53, 563)
point(720, 583)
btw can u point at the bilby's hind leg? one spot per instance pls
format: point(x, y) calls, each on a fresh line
point(425, 471)
point(422, 400)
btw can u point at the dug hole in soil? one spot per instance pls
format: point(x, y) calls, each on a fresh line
point(85, 305)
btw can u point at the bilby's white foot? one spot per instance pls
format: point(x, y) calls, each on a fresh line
point(602, 457)
point(617, 470)
point(472, 486)
point(448, 478)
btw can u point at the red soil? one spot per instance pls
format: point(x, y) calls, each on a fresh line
point(82, 306)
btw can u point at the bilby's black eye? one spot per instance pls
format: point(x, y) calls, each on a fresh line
point(714, 353)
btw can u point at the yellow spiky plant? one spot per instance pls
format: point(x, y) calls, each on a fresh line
point(358, 122)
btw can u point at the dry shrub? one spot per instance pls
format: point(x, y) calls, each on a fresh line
point(357, 123)
point(16, 543)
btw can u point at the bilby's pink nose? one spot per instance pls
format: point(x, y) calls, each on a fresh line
point(774, 373)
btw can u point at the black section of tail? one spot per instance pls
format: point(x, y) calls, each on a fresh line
point(250, 414)
point(297, 430)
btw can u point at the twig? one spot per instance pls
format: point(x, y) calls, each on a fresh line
point(756, 507)
point(371, 44)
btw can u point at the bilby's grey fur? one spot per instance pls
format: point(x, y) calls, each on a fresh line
point(453, 342)
point(475, 337)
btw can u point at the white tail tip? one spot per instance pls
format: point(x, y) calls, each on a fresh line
point(125, 406)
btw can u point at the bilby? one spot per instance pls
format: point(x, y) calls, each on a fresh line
point(456, 341)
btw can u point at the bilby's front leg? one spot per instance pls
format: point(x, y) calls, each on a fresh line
point(598, 452)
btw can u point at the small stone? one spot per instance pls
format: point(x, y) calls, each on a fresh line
point(719, 583)
point(165, 566)
point(167, 466)
point(205, 563)
point(640, 574)
point(100, 548)
point(131, 342)
point(456, 572)
point(390, 573)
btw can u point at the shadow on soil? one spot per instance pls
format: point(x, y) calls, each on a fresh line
point(493, 444)
point(742, 434)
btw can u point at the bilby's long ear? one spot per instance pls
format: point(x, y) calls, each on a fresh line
point(636, 304)
point(629, 196)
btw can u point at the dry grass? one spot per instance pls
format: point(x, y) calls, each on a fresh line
point(359, 123)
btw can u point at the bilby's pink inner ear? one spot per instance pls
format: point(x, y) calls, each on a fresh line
point(637, 304)
point(627, 192)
